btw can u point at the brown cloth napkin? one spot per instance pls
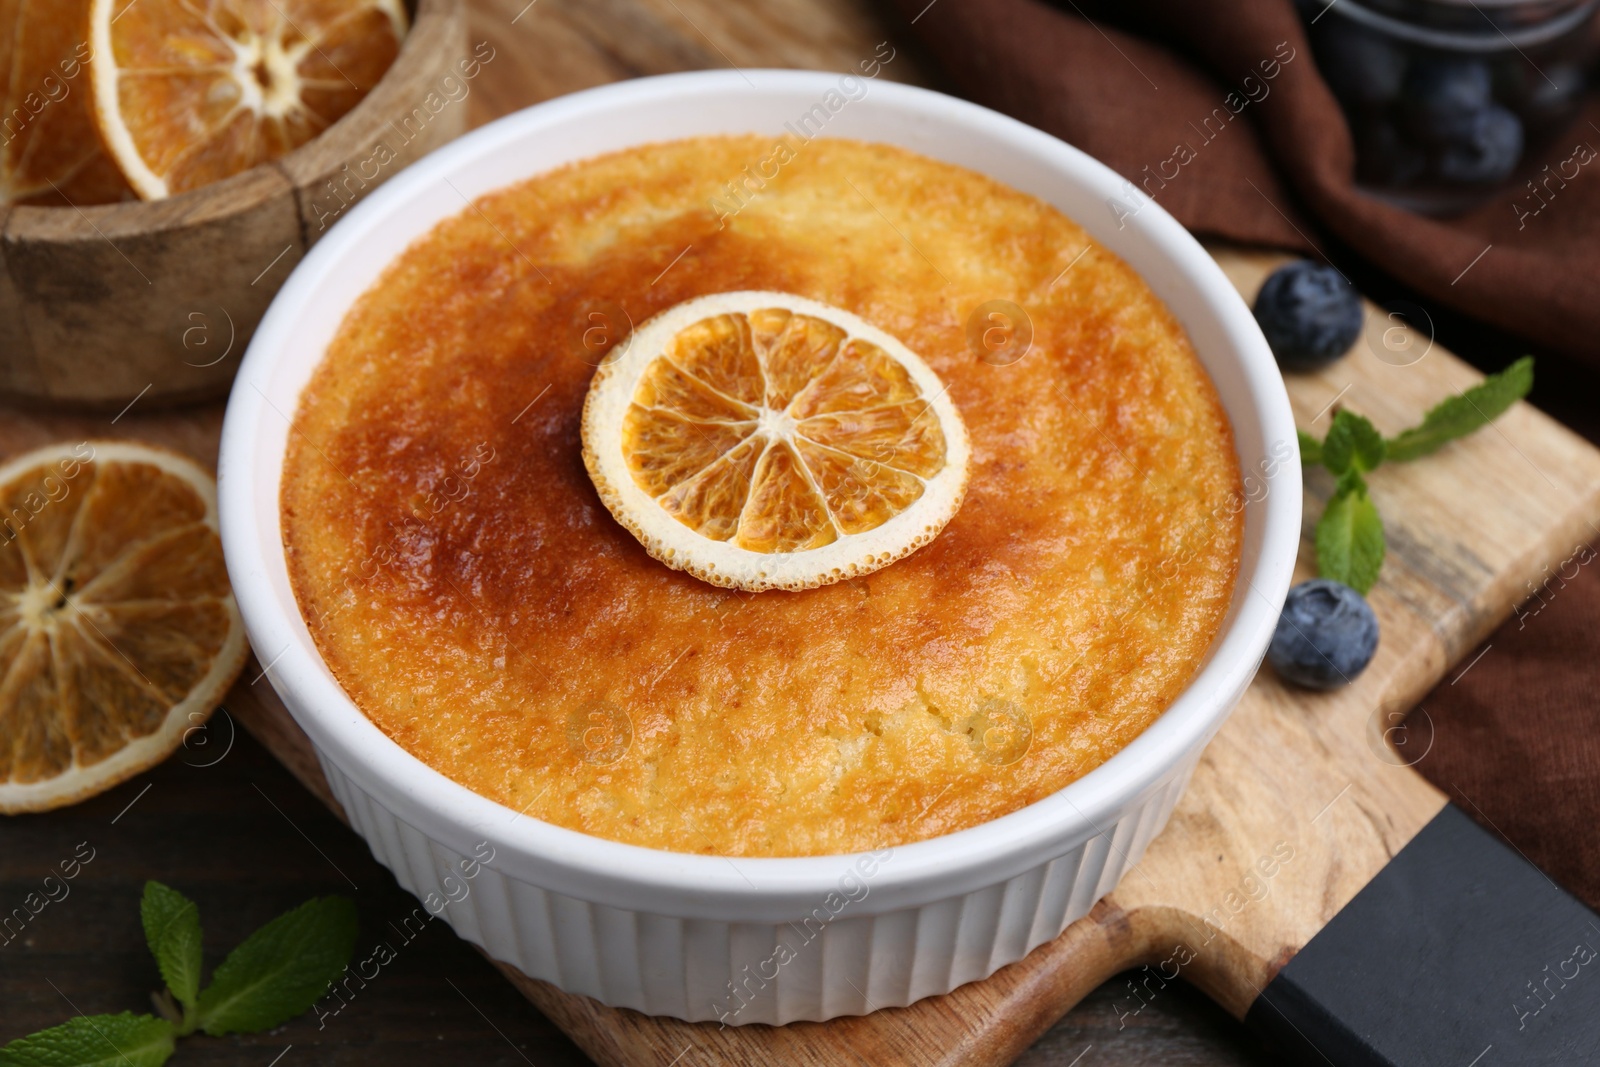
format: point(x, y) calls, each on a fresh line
point(1146, 84)
point(1516, 738)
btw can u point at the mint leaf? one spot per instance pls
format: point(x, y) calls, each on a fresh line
point(1350, 536)
point(125, 1040)
point(1353, 443)
point(1310, 449)
point(1465, 412)
point(172, 930)
point(281, 969)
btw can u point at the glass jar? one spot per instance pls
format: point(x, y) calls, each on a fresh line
point(1445, 98)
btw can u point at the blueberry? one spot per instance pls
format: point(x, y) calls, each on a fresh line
point(1486, 147)
point(1360, 67)
point(1384, 155)
point(1443, 93)
point(1325, 636)
point(1309, 313)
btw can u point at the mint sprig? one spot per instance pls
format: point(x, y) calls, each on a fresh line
point(1349, 538)
point(1353, 443)
point(95, 1041)
point(1310, 449)
point(1350, 544)
point(1466, 412)
point(281, 969)
point(275, 974)
point(172, 930)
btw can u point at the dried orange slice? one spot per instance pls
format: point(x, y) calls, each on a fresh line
point(49, 151)
point(187, 92)
point(760, 440)
point(118, 631)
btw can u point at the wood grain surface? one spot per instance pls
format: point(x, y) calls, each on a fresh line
point(1310, 787)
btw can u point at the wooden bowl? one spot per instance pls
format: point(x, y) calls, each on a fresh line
point(155, 301)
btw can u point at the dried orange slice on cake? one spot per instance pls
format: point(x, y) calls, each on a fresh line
point(188, 92)
point(761, 440)
point(118, 630)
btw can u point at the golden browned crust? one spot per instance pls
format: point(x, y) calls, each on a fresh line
point(479, 603)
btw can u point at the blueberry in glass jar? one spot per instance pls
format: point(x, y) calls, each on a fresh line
point(1450, 106)
point(1445, 99)
point(1485, 147)
point(1442, 94)
point(1309, 314)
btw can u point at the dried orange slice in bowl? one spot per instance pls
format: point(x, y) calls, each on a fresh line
point(188, 92)
point(49, 151)
point(118, 630)
point(761, 440)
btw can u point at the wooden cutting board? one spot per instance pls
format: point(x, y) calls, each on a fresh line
point(1310, 787)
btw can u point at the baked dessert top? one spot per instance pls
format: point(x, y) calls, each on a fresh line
point(476, 600)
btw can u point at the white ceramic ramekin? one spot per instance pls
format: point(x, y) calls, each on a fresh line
point(752, 940)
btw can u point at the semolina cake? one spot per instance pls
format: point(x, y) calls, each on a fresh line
point(470, 591)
